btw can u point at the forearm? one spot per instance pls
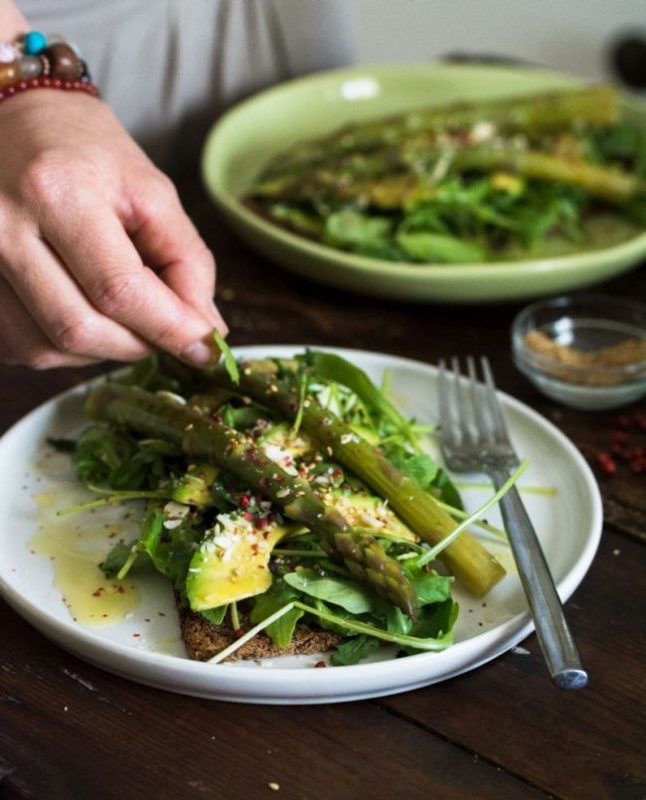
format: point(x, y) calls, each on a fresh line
point(12, 22)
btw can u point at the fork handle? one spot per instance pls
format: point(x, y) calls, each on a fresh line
point(554, 636)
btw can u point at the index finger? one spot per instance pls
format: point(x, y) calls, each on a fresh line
point(99, 254)
point(169, 243)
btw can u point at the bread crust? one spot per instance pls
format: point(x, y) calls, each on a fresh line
point(204, 640)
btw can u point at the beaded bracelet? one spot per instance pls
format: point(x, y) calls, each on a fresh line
point(32, 62)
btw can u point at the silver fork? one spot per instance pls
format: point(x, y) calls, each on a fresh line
point(474, 438)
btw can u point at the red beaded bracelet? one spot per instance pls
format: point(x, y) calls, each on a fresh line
point(48, 83)
point(32, 61)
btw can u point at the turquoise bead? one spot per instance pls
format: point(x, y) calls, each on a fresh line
point(34, 43)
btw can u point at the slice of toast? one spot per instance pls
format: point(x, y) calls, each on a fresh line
point(203, 640)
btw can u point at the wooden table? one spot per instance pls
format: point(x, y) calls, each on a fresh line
point(68, 730)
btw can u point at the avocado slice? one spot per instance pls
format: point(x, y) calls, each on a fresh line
point(282, 436)
point(233, 563)
point(194, 487)
point(369, 512)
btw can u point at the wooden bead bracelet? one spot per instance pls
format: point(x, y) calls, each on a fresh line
point(33, 62)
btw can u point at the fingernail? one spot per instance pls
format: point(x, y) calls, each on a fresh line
point(198, 354)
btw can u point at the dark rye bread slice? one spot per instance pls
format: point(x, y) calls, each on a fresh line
point(203, 640)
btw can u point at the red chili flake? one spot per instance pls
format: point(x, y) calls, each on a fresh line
point(248, 516)
point(638, 465)
point(636, 452)
point(136, 635)
point(606, 463)
point(245, 501)
point(619, 437)
point(98, 592)
point(623, 422)
point(320, 664)
point(640, 421)
point(161, 614)
point(120, 589)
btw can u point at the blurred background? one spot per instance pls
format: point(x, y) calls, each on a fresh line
point(595, 39)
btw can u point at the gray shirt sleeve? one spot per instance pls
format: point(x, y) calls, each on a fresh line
point(169, 67)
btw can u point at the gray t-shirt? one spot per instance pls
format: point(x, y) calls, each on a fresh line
point(169, 67)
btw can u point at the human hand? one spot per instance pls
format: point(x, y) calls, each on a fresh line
point(97, 258)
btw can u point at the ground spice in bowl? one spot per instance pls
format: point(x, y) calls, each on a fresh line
point(600, 367)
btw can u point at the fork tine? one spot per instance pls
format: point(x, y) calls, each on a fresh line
point(446, 417)
point(493, 406)
point(460, 398)
point(482, 423)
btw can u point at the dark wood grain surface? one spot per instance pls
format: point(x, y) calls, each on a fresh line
point(69, 730)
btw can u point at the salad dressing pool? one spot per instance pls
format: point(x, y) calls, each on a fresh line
point(76, 545)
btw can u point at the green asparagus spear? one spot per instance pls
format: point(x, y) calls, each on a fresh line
point(605, 183)
point(211, 440)
point(392, 191)
point(466, 558)
point(596, 106)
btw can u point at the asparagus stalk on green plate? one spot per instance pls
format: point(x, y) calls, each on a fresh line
point(596, 106)
point(496, 180)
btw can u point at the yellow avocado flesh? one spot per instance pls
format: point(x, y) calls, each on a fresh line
point(370, 513)
point(233, 564)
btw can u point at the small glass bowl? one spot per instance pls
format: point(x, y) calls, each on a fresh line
point(586, 351)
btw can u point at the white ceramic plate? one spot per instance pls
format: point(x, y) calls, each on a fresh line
point(145, 645)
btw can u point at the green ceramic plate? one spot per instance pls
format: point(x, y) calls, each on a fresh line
point(245, 138)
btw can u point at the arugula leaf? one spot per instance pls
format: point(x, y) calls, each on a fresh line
point(282, 630)
point(354, 650)
point(230, 363)
point(420, 466)
point(436, 247)
point(170, 549)
point(215, 615)
point(436, 620)
point(352, 230)
point(348, 594)
point(114, 562)
point(429, 586)
point(330, 366)
point(397, 621)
